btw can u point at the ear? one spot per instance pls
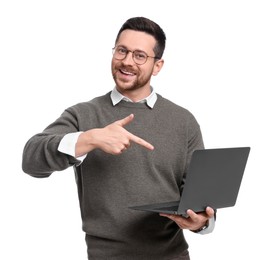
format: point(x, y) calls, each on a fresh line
point(157, 67)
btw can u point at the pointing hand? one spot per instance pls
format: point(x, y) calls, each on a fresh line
point(112, 139)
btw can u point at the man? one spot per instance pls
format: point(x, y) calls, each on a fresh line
point(128, 147)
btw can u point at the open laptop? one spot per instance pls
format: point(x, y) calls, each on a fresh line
point(213, 179)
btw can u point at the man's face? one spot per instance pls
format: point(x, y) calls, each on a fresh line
point(128, 75)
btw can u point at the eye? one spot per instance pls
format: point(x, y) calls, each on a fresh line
point(121, 50)
point(139, 55)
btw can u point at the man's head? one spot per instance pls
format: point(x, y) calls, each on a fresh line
point(137, 56)
point(143, 24)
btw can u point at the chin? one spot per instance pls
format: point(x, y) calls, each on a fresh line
point(125, 85)
point(125, 88)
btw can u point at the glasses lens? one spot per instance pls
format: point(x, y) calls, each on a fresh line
point(140, 57)
point(119, 53)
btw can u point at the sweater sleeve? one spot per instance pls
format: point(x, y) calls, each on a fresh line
point(41, 156)
point(195, 140)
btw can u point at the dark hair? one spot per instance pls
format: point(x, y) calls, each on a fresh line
point(143, 24)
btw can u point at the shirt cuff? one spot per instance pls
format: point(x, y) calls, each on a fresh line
point(210, 228)
point(68, 143)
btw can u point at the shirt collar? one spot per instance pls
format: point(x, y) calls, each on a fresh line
point(116, 97)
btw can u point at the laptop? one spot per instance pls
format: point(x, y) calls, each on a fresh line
point(213, 179)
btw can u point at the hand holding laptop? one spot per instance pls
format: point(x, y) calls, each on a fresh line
point(193, 221)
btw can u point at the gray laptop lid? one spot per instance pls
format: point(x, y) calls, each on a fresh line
point(213, 179)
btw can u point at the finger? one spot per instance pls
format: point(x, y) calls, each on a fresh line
point(179, 220)
point(141, 141)
point(210, 212)
point(125, 120)
point(124, 149)
point(170, 216)
point(165, 215)
point(127, 145)
point(192, 214)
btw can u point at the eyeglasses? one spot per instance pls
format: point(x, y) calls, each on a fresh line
point(139, 57)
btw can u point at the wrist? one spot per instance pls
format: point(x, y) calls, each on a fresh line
point(85, 143)
point(205, 226)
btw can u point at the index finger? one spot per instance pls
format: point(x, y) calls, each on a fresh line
point(193, 215)
point(141, 142)
point(209, 212)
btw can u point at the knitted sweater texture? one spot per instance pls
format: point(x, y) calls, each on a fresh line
point(108, 184)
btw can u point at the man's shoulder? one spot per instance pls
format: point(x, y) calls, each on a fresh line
point(180, 115)
point(171, 106)
point(97, 101)
point(90, 107)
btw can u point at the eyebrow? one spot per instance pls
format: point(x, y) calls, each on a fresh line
point(121, 45)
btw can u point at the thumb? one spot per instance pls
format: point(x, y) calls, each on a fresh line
point(125, 120)
point(210, 212)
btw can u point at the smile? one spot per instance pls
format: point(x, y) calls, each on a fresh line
point(127, 72)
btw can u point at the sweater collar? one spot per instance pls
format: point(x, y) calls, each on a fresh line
point(116, 97)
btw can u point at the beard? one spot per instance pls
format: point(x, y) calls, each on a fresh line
point(139, 81)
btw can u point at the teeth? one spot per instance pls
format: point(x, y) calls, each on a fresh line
point(127, 72)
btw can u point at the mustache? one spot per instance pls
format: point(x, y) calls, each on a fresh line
point(126, 68)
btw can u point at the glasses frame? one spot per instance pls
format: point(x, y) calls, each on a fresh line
point(133, 55)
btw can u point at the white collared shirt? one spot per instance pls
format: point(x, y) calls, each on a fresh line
point(116, 97)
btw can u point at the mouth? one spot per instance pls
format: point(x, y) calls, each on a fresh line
point(125, 75)
point(127, 72)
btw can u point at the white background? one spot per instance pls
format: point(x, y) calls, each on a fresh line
point(54, 54)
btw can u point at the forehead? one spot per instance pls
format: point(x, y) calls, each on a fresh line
point(135, 40)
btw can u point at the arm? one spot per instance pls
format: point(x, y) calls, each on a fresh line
point(41, 156)
point(44, 153)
